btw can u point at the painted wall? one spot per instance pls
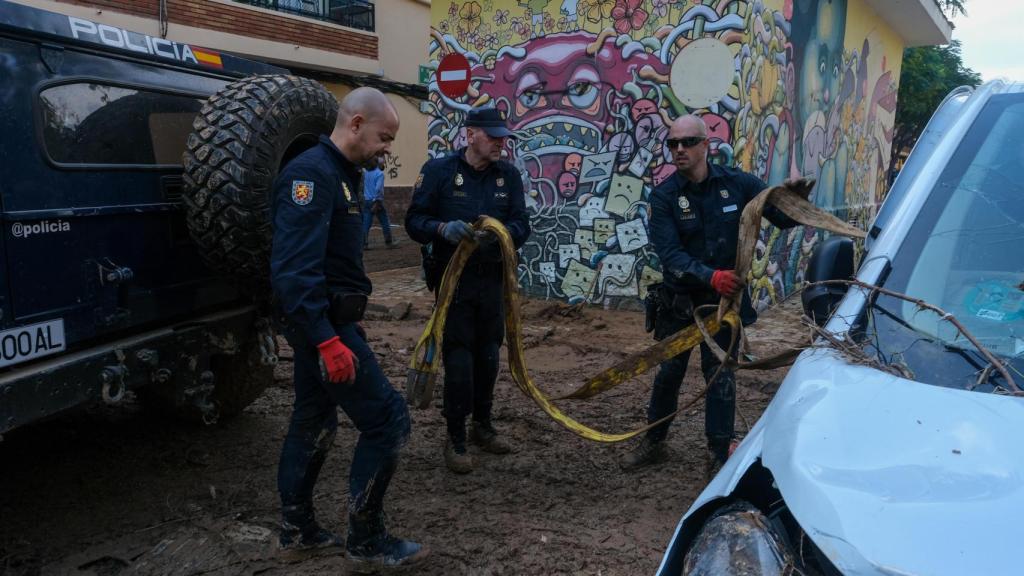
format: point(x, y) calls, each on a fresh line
point(786, 88)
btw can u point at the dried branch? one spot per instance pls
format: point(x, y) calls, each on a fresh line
point(943, 315)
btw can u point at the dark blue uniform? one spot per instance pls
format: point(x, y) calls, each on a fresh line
point(450, 189)
point(695, 229)
point(317, 254)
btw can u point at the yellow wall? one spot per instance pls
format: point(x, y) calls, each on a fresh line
point(408, 153)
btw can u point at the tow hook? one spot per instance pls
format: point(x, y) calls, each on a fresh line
point(112, 383)
point(199, 396)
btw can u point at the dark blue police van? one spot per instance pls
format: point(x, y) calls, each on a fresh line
point(134, 186)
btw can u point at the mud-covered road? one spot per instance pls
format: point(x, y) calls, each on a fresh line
point(114, 491)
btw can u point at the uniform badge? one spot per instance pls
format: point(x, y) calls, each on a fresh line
point(500, 182)
point(346, 191)
point(684, 204)
point(419, 182)
point(302, 192)
point(458, 180)
point(724, 193)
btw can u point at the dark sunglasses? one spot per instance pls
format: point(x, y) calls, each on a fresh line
point(687, 142)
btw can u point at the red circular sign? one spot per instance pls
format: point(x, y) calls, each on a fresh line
point(453, 75)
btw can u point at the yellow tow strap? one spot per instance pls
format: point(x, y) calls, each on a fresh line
point(426, 358)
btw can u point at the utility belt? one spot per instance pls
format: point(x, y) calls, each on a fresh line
point(661, 300)
point(346, 307)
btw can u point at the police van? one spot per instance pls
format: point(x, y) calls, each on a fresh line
point(134, 189)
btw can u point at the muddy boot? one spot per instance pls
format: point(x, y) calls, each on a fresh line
point(718, 452)
point(647, 452)
point(371, 549)
point(300, 533)
point(456, 457)
point(484, 435)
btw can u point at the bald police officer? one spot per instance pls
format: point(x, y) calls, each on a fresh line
point(451, 193)
point(321, 288)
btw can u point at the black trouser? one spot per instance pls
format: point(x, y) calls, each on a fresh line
point(473, 334)
point(375, 408)
point(720, 400)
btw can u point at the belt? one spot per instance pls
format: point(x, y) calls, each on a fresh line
point(346, 307)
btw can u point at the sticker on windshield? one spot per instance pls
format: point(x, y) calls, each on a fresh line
point(991, 314)
point(28, 342)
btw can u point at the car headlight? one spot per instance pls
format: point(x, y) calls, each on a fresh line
point(738, 540)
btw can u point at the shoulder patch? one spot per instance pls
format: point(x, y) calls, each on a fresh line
point(302, 192)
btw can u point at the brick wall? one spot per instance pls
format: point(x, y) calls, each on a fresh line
point(396, 201)
point(243, 20)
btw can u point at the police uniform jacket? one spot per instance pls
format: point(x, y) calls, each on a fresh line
point(318, 237)
point(448, 189)
point(695, 229)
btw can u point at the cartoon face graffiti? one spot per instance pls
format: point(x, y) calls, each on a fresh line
point(648, 276)
point(617, 277)
point(597, 167)
point(604, 228)
point(568, 253)
point(623, 193)
point(567, 185)
point(632, 235)
point(577, 280)
point(559, 92)
point(585, 238)
point(572, 163)
point(547, 270)
point(592, 208)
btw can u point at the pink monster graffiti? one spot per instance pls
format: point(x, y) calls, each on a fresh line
point(559, 93)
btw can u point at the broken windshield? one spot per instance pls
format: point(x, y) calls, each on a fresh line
point(964, 254)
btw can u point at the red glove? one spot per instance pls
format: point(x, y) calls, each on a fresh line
point(726, 282)
point(337, 361)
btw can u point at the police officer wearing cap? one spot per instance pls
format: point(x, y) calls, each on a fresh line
point(695, 217)
point(321, 289)
point(450, 194)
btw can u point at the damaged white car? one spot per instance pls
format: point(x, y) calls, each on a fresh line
point(912, 461)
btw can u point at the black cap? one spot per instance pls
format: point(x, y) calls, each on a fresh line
point(490, 121)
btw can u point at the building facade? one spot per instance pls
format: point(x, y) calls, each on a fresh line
point(786, 88)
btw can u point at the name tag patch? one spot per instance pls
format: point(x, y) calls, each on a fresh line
point(729, 208)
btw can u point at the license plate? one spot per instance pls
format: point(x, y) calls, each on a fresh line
point(33, 341)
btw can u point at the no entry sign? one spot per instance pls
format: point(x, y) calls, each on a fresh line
point(453, 75)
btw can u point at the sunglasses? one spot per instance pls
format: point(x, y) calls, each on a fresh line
point(687, 142)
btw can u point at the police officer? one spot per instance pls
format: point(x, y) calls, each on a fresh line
point(695, 217)
point(451, 193)
point(321, 288)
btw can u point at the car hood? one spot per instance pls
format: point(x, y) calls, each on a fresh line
point(892, 476)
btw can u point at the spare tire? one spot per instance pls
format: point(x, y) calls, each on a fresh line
point(240, 139)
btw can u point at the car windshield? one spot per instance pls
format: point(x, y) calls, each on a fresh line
point(965, 254)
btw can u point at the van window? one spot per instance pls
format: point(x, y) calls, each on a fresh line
point(89, 123)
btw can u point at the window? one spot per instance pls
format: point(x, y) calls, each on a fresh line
point(90, 123)
point(352, 13)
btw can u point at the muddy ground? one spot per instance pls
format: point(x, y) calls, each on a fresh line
point(110, 491)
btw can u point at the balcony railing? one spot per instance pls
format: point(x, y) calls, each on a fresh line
point(352, 13)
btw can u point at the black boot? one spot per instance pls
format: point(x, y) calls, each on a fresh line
point(300, 532)
point(647, 452)
point(370, 547)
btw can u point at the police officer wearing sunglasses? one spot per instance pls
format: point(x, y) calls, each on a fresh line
point(450, 194)
point(695, 217)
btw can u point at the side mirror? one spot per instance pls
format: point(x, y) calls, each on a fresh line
point(831, 260)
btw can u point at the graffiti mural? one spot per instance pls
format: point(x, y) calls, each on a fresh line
point(591, 86)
